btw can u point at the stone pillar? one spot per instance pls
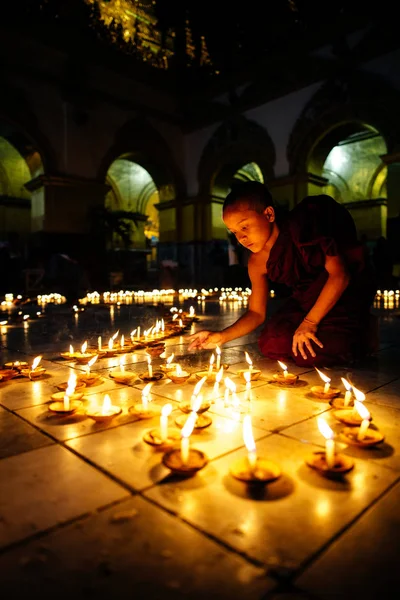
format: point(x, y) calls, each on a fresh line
point(61, 220)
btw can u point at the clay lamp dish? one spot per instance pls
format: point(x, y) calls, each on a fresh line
point(282, 379)
point(264, 471)
point(59, 396)
point(349, 416)
point(63, 386)
point(7, 374)
point(196, 461)
point(153, 438)
point(104, 416)
point(182, 377)
point(108, 352)
point(156, 350)
point(59, 408)
point(317, 461)
point(143, 411)
point(156, 376)
point(68, 355)
point(16, 365)
point(186, 407)
point(83, 357)
point(338, 402)
point(318, 392)
point(201, 422)
point(254, 374)
point(371, 437)
point(166, 367)
point(125, 377)
point(33, 374)
point(89, 378)
point(211, 377)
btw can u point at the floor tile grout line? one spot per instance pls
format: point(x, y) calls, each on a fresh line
point(254, 561)
point(59, 526)
point(307, 563)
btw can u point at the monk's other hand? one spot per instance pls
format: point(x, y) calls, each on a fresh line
point(204, 340)
point(303, 336)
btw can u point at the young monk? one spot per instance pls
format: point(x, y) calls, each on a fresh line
point(315, 252)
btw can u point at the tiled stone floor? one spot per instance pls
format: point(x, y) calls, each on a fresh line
point(89, 511)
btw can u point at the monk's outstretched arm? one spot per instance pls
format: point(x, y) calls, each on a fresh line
point(250, 320)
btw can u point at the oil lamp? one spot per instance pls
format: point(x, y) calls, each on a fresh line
point(66, 403)
point(145, 410)
point(325, 392)
point(35, 372)
point(122, 376)
point(186, 460)
point(106, 413)
point(328, 462)
point(362, 436)
point(285, 377)
point(163, 437)
point(253, 468)
point(254, 373)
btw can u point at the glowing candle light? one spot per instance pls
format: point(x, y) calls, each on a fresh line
point(247, 377)
point(284, 368)
point(35, 363)
point(365, 415)
point(165, 412)
point(212, 359)
point(138, 333)
point(324, 378)
point(329, 444)
point(145, 396)
point(249, 442)
point(132, 335)
point(71, 349)
point(185, 433)
point(249, 361)
point(69, 391)
point(122, 341)
point(218, 364)
point(99, 343)
point(347, 396)
point(218, 379)
point(359, 397)
point(84, 347)
point(149, 367)
point(91, 363)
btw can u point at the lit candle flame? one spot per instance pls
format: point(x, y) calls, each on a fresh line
point(347, 396)
point(218, 351)
point(91, 363)
point(106, 408)
point(170, 359)
point(150, 368)
point(84, 347)
point(365, 416)
point(36, 362)
point(185, 433)
point(165, 412)
point(145, 395)
point(71, 349)
point(198, 386)
point(248, 360)
point(212, 359)
point(249, 441)
point(324, 378)
point(284, 367)
point(328, 434)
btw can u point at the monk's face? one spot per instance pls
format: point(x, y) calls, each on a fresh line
point(252, 229)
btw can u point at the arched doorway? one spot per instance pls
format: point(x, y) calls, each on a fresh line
point(133, 196)
point(20, 162)
point(348, 161)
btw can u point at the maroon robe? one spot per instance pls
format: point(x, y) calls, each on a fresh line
point(316, 227)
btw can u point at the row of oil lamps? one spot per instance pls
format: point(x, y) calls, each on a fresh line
point(350, 410)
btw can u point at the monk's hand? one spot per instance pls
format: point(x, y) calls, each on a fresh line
point(205, 340)
point(303, 336)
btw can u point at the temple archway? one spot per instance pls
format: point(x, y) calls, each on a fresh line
point(338, 147)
